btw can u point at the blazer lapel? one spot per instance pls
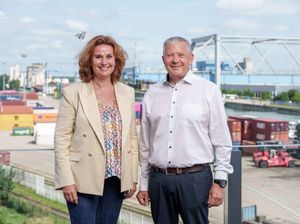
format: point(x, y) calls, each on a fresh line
point(90, 107)
point(125, 110)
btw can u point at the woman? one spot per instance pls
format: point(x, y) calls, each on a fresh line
point(96, 156)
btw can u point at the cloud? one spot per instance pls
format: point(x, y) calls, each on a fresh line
point(56, 44)
point(242, 24)
point(3, 17)
point(48, 32)
point(26, 20)
point(196, 31)
point(280, 27)
point(76, 25)
point(260, 7)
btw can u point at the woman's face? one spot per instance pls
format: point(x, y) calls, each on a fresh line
point(103, 61)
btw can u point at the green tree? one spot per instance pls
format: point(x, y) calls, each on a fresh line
point(248, 92)
point(14, 84)
point(6, 183)
point(282, 96)
point(291, 93)
point(266, 95)
point(3, 78)
point(296, 97)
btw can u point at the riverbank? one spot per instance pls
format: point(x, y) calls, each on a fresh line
point(260, 105)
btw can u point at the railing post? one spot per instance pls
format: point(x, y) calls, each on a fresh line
point(233, 197)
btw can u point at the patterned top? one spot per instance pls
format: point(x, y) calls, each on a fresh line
point(112, 130)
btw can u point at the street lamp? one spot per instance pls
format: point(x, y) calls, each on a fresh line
point(79, 36)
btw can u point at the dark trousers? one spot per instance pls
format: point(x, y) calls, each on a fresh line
point(185, 195)
point(94, 209)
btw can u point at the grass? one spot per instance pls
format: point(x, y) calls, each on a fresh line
point(13, 217)
point(19, 189)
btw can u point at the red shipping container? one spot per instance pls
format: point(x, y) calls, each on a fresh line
point(14, 103)
point(284, 136)
point(246, 126)
point(266, 124)
point(234, 125)
point(31, 96)
point(266, 136)
point(5, 158)
point(284, 126)
point(236, 136)
point(16, 110)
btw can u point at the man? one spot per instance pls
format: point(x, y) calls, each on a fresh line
point(183, 130)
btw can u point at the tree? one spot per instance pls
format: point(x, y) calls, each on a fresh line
point(14, 84)
point(282, 96)
point(4, 78)
point(266, 95)
point(296, 97)
point(6, 183)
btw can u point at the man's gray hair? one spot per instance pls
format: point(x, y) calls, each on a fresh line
point(177, 39)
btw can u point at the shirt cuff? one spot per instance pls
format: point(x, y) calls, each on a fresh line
point(144, 184)
point(221, 175)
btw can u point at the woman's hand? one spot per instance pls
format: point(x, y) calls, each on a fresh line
point(128, 194)
point(70, 193)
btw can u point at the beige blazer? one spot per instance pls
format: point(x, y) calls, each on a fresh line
point(79, 141)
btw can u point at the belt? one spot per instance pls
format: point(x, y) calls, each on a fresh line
point(178, 171)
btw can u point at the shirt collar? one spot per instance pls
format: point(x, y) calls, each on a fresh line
point(188, 78)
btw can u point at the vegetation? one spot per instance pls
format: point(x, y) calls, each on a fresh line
point(15, 210)
point(291, 95)
point(5, 83)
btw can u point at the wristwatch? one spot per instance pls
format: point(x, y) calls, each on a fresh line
point(221, 183)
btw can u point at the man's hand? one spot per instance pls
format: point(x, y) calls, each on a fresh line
point(128, 194)
point(70, 193)
point(143, 198)
point(216, 196)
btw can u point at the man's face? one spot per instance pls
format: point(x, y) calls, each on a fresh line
point(177, 59)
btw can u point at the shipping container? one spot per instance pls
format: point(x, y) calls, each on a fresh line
point(246, 126)
point(266, 124)
point(16, 110)
point(31, 96)
point(45, 115)
point(10, 97)
point(5, 158)
point(16, 117)
point(236, 136)
point(284, 136)
point(234, 125)
point(284, 126)
point(21, 131)
point(44, 133)
point(8, 126)
point(13, 103)
point(266, 136)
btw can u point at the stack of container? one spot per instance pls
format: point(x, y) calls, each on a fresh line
point(138, 113)
point(44, 115)
point(246, 126)
point(265, 129)
point(15, 116)
point(235, 130)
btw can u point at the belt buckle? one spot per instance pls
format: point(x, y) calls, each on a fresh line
point(179, 171)
point(167, 173)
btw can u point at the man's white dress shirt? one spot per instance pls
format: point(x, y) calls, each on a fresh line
point(184, 125)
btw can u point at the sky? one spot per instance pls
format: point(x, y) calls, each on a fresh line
point(44, 30)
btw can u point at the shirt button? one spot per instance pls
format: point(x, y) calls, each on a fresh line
point(175, 89)
point(172, 116)
point(173, 102)
point(169, 162)
point(170, 147)
point(170, 131)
